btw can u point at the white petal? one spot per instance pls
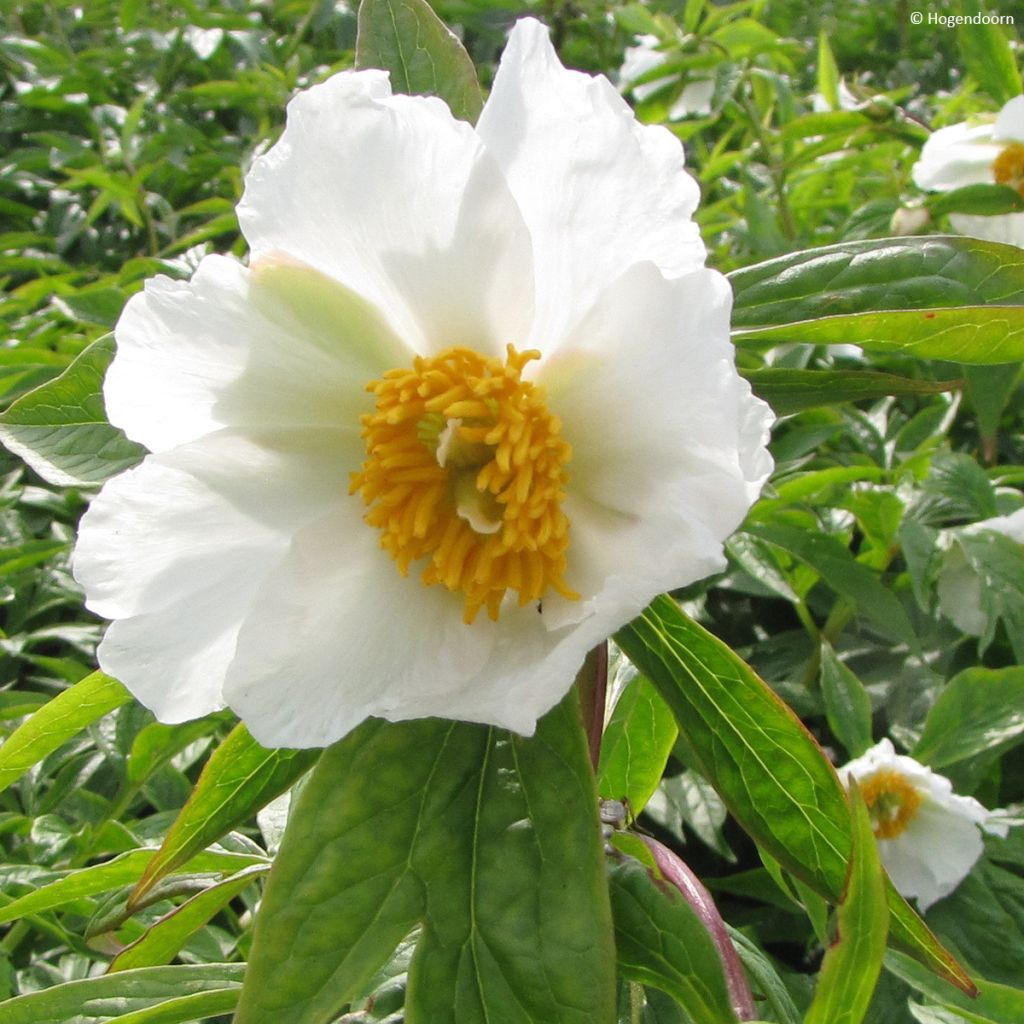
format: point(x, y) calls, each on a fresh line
point(175, 549)
point(336, 634)
point(599, 191)
point(1010, 122)
point(946, 846)
point(1007, 228)
point(960, 155)
point(668, 444)
point(399, 201)
point(282, 345)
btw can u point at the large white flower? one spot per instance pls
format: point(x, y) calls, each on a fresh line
point(470, 406)
point(959, 585)
point(928, 836)
point(985, 151)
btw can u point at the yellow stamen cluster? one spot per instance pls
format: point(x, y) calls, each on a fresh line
point(892, 802)
point(465, 466)
point(1008, 167)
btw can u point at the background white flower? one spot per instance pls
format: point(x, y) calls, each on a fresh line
point(386, 235)
point(928, 836)
point(979, 152)
point(959, 586)
point(695, 96)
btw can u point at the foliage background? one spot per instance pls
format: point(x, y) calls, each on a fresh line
point(126, 128)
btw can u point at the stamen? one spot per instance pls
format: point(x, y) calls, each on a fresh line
point(1008, 167)
point(466, 468)
point(892, 802)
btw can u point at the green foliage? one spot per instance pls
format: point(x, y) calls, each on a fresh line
point(439, 871)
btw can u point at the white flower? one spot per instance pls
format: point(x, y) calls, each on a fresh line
point(928, 837)
point(695, 97)
point(989, 151)
point(517, 323)
point(959, 586)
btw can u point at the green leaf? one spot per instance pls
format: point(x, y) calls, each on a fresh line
point(994, 1004)
point(60, 429)
point(789, 391)
point(489, 840)
point(853, 963)
point(163, 939)
point(931, 272)
point(636, 746)
point(661, 942)
point(971, 334)
point(425, 58)
point(57, 721)
point(185, 1009)
point(990, 388)
point(828, 73)
point(980, 711)
point(847, 704)
point(240, 778)
point(100, 999)
point(987, 54)
point(981, 199)
point(766, 766)
point(112, 874)
point(841, 571)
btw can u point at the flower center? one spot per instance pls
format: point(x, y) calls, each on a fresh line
point(1009, 167)
point(465, 466)
point(892, 802)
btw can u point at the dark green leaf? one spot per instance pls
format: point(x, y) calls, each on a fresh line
point(990, 388)
point(980, 711)
point(60, 429)
point(489, 840)
point(983, 200)
point(406, 38)
point(57, 721)
point(987, 53)
point(998, 561)
point(835, 563)
point(660, 941)
point(847, 704)
point(768, 769)
point(240, 778)
point(936, 271)
point(789, 391)
point(852, 964)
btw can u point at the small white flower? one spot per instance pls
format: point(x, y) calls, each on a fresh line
point(928, 836)
point(471, 405)
point(695, 97)
point(983, 151)
point(959, 586)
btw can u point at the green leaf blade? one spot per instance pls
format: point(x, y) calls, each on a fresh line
point(852, 965)
point(489, 841)
point(61, 430)
point(424, 58)
point(57, 721)
point(240, 778)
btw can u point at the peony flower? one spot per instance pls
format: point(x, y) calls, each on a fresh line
point(979, 152)
point(470, 406)
point(928, 837)
point(959, 586)
point(695, 97)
